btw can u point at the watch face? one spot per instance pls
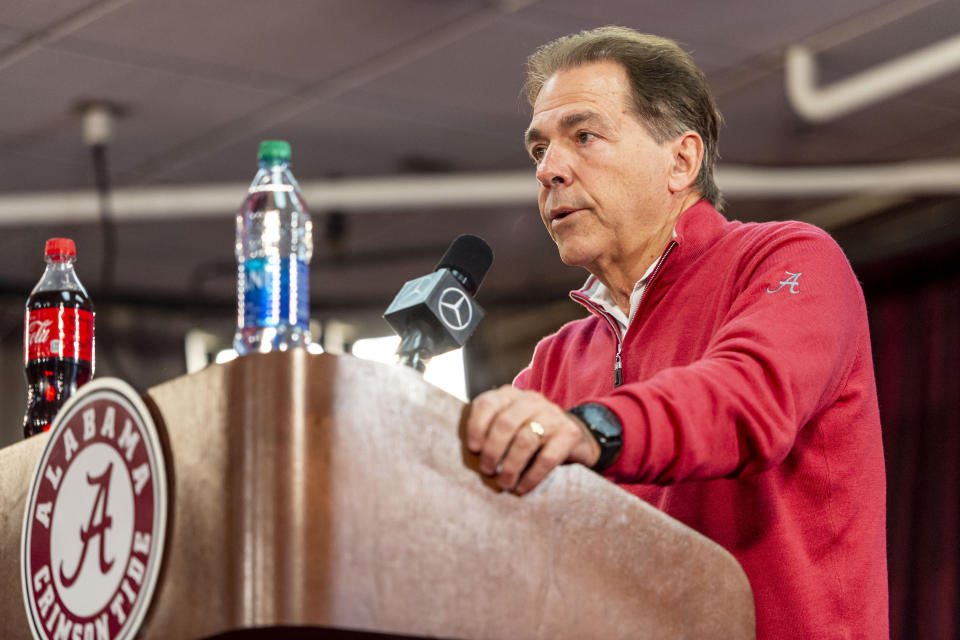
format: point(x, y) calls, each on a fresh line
point(601, 421)
point(606, 430)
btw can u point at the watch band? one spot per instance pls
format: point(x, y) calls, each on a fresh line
point(605, 428)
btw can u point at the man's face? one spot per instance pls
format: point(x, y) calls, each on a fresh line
point(602, 177)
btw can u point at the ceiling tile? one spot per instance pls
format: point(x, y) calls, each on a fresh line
point(751, 25)
point(26, 16)
point(303, 40)
point(925, 27)
point(482, 73)
point(354, 136)
point(163, 109)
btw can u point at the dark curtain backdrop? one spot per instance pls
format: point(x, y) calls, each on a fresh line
point(916, 337)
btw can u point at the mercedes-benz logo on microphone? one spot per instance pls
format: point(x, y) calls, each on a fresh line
point(436, 313)
point(455, 309)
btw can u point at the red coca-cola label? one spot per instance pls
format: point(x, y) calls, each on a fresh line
point(58, 332)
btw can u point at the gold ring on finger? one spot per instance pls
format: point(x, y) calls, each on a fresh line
point(537, 429)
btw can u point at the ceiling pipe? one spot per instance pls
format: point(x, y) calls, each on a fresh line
point(822, 104)
point(915, 177)
point(482, 190)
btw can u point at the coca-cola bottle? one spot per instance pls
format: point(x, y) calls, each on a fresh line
point(58, 348)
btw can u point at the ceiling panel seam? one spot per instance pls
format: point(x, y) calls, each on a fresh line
point(335, 86)
point(62, 29)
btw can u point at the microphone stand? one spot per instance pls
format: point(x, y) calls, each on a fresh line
point(411, 350)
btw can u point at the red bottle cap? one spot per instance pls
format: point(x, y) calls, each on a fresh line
point(59, 247)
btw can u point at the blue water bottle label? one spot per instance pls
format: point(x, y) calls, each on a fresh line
point(276, 292)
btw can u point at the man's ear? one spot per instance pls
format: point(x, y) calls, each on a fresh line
point(687, 150)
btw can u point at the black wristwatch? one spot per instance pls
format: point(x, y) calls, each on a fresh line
point(605, 428)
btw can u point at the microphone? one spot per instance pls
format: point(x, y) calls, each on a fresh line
point(436, 313)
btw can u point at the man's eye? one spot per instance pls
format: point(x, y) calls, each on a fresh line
point(537, 153)
point(584, 136)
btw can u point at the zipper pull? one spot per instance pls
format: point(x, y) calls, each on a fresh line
point(618, 371)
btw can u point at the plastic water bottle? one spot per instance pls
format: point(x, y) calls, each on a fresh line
point(274, 247)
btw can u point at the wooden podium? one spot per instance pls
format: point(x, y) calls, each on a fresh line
point(327, 494)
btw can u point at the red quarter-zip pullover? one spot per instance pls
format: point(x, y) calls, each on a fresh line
point(750, 414)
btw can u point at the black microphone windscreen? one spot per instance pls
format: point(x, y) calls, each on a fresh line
point(471, 256)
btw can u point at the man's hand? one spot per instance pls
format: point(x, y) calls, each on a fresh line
point(499, 430)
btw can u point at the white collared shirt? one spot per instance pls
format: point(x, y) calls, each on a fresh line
point(600, 295)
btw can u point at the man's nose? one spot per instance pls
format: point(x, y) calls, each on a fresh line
point(553, 168)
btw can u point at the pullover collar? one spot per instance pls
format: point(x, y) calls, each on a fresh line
point(697, 229)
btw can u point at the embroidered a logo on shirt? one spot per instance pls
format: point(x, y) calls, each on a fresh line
point(792, 282)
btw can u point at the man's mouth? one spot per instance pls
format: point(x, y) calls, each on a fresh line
point(560, 213)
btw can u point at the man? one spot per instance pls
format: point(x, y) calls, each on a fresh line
point(724, 374)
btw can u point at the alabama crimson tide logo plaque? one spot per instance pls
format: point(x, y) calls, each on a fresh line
point(94, 523)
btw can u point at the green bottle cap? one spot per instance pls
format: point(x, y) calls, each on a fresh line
point(274, 152)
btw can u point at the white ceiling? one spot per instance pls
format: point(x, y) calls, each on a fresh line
point(370, 88)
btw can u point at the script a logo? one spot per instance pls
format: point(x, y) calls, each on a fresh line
point(93, 528)
point(97, 527)
point(455, 309)
point(792, 282)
